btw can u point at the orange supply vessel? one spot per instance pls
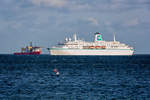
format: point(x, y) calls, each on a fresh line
point(29, 50)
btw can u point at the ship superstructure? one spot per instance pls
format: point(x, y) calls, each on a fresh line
point(97, 47)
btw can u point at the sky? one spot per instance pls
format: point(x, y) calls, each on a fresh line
point(47, 22)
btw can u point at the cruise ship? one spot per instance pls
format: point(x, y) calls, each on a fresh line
point(97, 47)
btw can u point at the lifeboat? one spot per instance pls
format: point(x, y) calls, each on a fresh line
point(100, 47)
point(91, 47)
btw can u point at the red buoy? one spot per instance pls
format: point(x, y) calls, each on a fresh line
point(55, 70)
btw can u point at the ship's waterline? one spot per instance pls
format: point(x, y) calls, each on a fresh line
point(98, 47)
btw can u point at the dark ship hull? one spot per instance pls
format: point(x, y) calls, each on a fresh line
point(27, 53)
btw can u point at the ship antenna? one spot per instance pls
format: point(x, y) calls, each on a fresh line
point(75, 37)
point(114, 37)
point(31, 44)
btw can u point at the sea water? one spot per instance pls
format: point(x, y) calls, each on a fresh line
point(80, 77)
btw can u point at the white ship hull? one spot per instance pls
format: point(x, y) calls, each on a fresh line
point(59, 51)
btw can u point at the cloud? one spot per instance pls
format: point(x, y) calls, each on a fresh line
point(50, 3)
point(93, 21)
